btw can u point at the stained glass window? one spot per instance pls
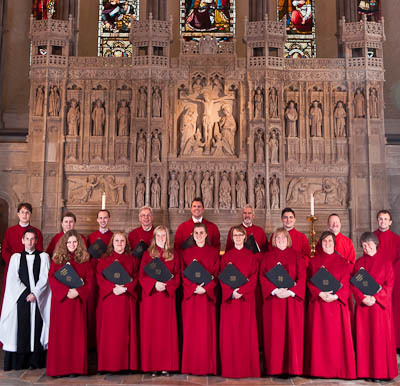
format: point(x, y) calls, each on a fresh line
point(370, 8)
point(207, 17)
point(300, 27)
point(114, 26)
point(42, 8)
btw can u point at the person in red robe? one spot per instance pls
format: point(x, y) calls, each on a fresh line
point(186, 228)
point(389, 249)
point(12, 242)
point(238, 339)
point(117, 345)
point(299, 240)
point(146, 229)
point(67, 349)
point(158, 322)
point(68, 222)
point(374, 329)
point(329, 349)
point(104, 234)
point(199, 350)
point(283, 309)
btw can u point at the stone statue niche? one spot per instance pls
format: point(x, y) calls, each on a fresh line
point(123, 118)
point(274, 192)
point(217, 86)
point(207, 189)
point(156, 103)
point(359, 104)
point(373, 103)
point(39, 100)
point(142, 102)
point(98, 118)
point(225, 192)
point(291, 118)
point(315, 115)
point(258, 103)
point(273, 146)
point(73, 118)
point(273, 103)
point(339, 117)
point(259, 192)
point(156, 147)
point(140, 191)
point(54, 102)
point(141, 147)
point(190, 189)
point(259, 146)
point(241, 190)
point(173, 190)
point(155, 192)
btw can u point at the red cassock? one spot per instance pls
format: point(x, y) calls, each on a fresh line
point(344, 246)
point(186, 229)
point(238, 327)
point(117, 344)
point(283, 319)
point(389, 249)
point(56, 238)
point(199, 351)
point(158, 324)
point(329, 350)
point(92, 300)
point(374, 330)
point(256, 231)
point(138, 234)
point(67, 352)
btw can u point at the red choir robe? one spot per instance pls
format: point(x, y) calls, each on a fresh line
point(344, 246)
point(283, 319)
point(56, 238)
point(329, 350)
point(67, 350)
point(199, 350)
point(92, 300)
point(117, 344)
point(186, 229)
point(158, 322)
point(238, 337)
point(139, 234)
point(374, 329)
point(256, 231)
point(389, 249)
point(12, 243)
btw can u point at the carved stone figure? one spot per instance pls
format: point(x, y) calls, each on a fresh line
point(274, 192)
point(197, 86)
point(194, 146)
point(218, 145)
point(141, 147)
point(142, 103)
point(80, 192)
point(259, 147)
point(190, 190)
point(140, 192)
point(156, 103)
point(155, 147)
point(114, 190)
point(260, 193)
point(207, 189)
point(225, 198)
point(173, 191)
point(123, 119)
point(340, 120)
point(341, 191)
point(273, 144)
point(296, 191)
point(227, 127)
point(156, 192)
point(258, 104)
point(316, 120)
point(187, 128)
point(73, 118)
point(373, 103)
point(98, 118)
point(54, 102)
point(39, 101)
point(217, 87)
point(359, 104)
point(291, 116)
point(273, 103)
point(328, 193)
point(241, 189)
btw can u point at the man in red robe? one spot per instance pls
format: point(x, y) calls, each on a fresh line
point(68, 222)
point(299, 240)
point(145, 231)
point(389, 249)
point(186, 228)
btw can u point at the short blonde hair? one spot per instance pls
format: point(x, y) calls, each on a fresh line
point(284, 232)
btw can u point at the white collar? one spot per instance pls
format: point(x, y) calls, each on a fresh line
point(196, 220)
point(23, 225)
point(247, 226)
point(103, 232)
point(148, 229)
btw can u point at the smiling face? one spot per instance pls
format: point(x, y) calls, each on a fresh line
point(281, 241)
point(67, 224)
point(146, 218)
point(369, 248)
point(238, 238)
point(334, 224)
point(161, 238)
point(328, 245)
point(24, 215)
point(288, 220)
point(248, 216)
point(199, 235)
point(384, 222)
point(102, 219)
point(72, 244)
point(119, 243)
point(197, 209)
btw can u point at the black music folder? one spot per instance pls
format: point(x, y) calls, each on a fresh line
point(279, 277)
point(116, 273)
point(325, 281)
point(140, 249)
point(251, 244)
point(188, 243)
point(365, 282)
point(157, 270)
point(97, 249)
point(68, 276)
point(197, 274)
point(231, 276)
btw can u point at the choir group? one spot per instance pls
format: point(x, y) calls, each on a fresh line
point(318, 316)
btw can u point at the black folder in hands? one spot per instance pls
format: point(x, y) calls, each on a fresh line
point(325, 281)
point(365, 282)
point(231, 276)
point(188, 243)
point(279, 277)
point(197, 274)
point(139, 249)
point(68, 276)
point(97, 249)
point(251, 244)
point(157, 270)
point(116, 273)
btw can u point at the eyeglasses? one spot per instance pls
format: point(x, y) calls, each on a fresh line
point(238, 235)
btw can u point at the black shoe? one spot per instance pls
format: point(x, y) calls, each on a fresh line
point(165, 373)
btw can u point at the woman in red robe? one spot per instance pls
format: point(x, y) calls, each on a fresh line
point(374, 335)
point(67, 351)
point(117, 340)
point(158, 323)
point(329, 350)
point(238, 327)
point(283, 309)
point(199, 351)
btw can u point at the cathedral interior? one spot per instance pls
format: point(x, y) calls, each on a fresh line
point(155, 102)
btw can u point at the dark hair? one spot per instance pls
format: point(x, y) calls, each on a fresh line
point(198, 199)
point(369, 236)
point(200, 225)
point(384, 211)
point(326, 234)
point(26, 205)
point(68, 214)
point(288, 210)
point(30, 230)
point(333, 214)
point(103, 210)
